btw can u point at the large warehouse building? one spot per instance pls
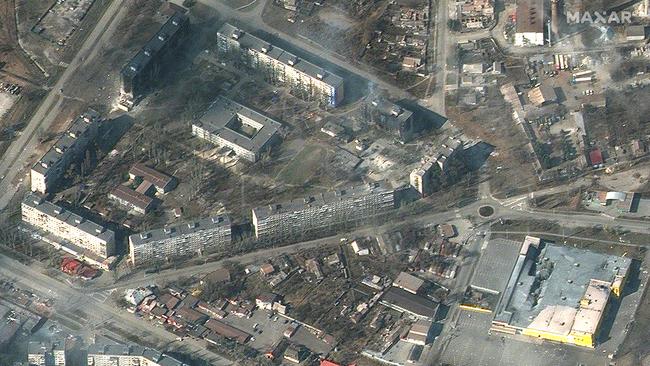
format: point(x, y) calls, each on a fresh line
point(559, 293)
point(278, 65)
point(530, 23)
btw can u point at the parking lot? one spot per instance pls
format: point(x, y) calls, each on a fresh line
point(270, 329)
point(469, 343)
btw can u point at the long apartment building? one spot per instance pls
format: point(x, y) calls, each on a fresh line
point(141, 69)
point(182, 240)
point(68, 226)
point(69, 148)
point(280, 65)
point(434, 166)
point(299, 216)
point(46, 354)
point(128, 355)
point(232, 125)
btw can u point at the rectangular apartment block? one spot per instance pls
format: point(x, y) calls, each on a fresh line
point(128, 355)
point(181, 240)
point(351, 204)
point(69, 148)
point(46, 354)
point(436, 165)
point(281, 66)
point(68, 226)
point(229, 124)
point(142, 68)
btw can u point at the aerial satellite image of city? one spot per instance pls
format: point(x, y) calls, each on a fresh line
point(324, 182)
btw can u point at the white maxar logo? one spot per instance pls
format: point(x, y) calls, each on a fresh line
point(599, 17)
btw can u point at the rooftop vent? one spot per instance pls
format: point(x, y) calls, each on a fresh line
point(175, 22)
point(162, 37)
point(191, 225)
point(78, 221)
point(216, 220)
point(99, 230)
point(168, 230)
point(147, 52)
point(58, 210)
point(266, 48)
point(396, 111)
point(145, 235)
point(320, 75)
point(236, 34)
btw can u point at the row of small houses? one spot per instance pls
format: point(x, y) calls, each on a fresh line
point(190, 316)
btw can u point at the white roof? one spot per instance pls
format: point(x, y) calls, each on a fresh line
point(620, 196)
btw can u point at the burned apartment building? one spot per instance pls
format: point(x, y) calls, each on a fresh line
point(302, 216)
point(439, 168)
point(234, 126)
point(189, 239)
point(74, 233)
point(145, 66)
point(398, 120)
point(68, 149)
point(306, 80)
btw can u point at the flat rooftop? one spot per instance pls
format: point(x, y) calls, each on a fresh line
point(224, 113)
point(395, 113)
point(549, 282)
point(180, 230)
point(249, 41)
point(415, 304)
point(322, 199)
point(530, 16)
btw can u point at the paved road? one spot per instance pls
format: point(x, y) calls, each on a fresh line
point(253, 19)
point(69, 300)
point(18, 155)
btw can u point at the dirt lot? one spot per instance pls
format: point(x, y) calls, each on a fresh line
point(624, 119)
point(15, 68)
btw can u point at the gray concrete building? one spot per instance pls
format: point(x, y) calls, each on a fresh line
point(299, 216)
point(431, 173)
point(230, 124)
point(188, 239)
point(100, 354)
point(69, 148)
point(46, 354)
point(280, 66)
point(137, 74)
point(81, 234)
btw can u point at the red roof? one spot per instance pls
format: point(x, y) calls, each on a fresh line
point(328, 363)
point(596, 157)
